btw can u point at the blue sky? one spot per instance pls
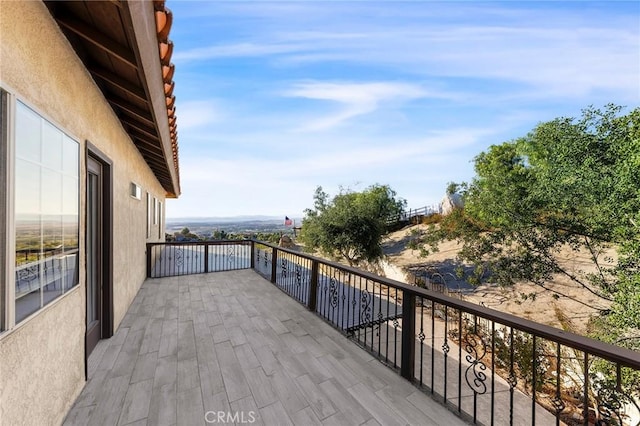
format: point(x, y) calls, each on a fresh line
point(276, 98)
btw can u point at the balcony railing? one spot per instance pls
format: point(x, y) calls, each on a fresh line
point(414, 215)
point(487, 366)
point(184, 258)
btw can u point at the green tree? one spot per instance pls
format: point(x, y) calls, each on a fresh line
point(350, 225)
point(568, 183)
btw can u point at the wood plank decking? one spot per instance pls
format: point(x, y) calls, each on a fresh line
point(229, 347)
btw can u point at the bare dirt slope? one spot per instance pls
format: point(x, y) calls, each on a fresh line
point(570, 313)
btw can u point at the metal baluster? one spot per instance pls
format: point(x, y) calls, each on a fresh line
point(421, 336)
point(386, 355)
point(433, 344)
point(445, 348)
point(493, 370)
point(460, 362)
point(533, 381)
point(512, 375)
point(586, 390)
point(557, 401)
point(380, 318)
point(395, 330)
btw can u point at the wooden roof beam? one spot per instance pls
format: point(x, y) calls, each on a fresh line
point(132, 110)
point(98, 39)
point(120, 83)
point(148, 132)
point(147, 147)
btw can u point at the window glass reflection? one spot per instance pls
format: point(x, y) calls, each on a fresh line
point(51, 147)
point(28, 194)
point(46, 212)
point(51, 201)
point(70, 154)
point(28, 133)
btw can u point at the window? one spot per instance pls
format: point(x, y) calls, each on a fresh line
point(148, 215)
point(46, 212)
point(135, 191)
point(155, 211)
point(160, 227)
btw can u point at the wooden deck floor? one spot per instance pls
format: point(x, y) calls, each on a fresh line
point(229, 347)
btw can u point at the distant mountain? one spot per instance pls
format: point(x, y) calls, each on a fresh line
point(229, 219)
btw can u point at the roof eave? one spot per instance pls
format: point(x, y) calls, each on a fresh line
point(141, 17)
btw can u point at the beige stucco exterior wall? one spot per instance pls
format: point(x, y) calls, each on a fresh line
point(42, 359)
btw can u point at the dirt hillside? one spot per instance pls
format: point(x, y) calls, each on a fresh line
point(565, 312)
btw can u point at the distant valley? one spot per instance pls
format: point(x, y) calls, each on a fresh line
point(205, 227)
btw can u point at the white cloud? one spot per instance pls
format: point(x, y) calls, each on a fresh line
point(247, 49)
point(560, 53)
point(193, 114)
point(356, 98)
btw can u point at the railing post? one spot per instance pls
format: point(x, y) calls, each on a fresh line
point(274, 264)
point(149, 260)
point(206, 257)
point(313, 286)
point(408, 335)
point(253, 255)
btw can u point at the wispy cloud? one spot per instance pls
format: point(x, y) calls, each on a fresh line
point(237, 50)
point(561, 54)
point(193, 114)
point(356, 98)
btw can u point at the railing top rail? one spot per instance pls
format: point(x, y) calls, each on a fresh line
point(595, 347)
point(209, 243)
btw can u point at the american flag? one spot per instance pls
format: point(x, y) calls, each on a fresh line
point(287, 221)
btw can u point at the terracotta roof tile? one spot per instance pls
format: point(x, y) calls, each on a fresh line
point(164, 19)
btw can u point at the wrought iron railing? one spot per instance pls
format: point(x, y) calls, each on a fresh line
point(489, 367)
point(413, 215)
point(184, 258)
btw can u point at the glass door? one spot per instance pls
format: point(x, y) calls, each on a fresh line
point(94, 253)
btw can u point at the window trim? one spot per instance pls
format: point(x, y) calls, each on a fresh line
point(7, 257)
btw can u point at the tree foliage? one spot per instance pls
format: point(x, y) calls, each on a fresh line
point(568, 183)
point(351, 224)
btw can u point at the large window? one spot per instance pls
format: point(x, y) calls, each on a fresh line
point(46, 212)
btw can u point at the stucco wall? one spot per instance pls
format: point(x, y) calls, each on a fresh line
point(42, 360)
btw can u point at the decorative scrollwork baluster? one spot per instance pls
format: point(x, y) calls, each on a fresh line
point(231, 254)
point(298, 272)
point(365, 307)
point(476, 349)
point(283, 265)
point(333, 292)
point(380, 318)
point(445, 346)
point(610, 406)
point(179, 257)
